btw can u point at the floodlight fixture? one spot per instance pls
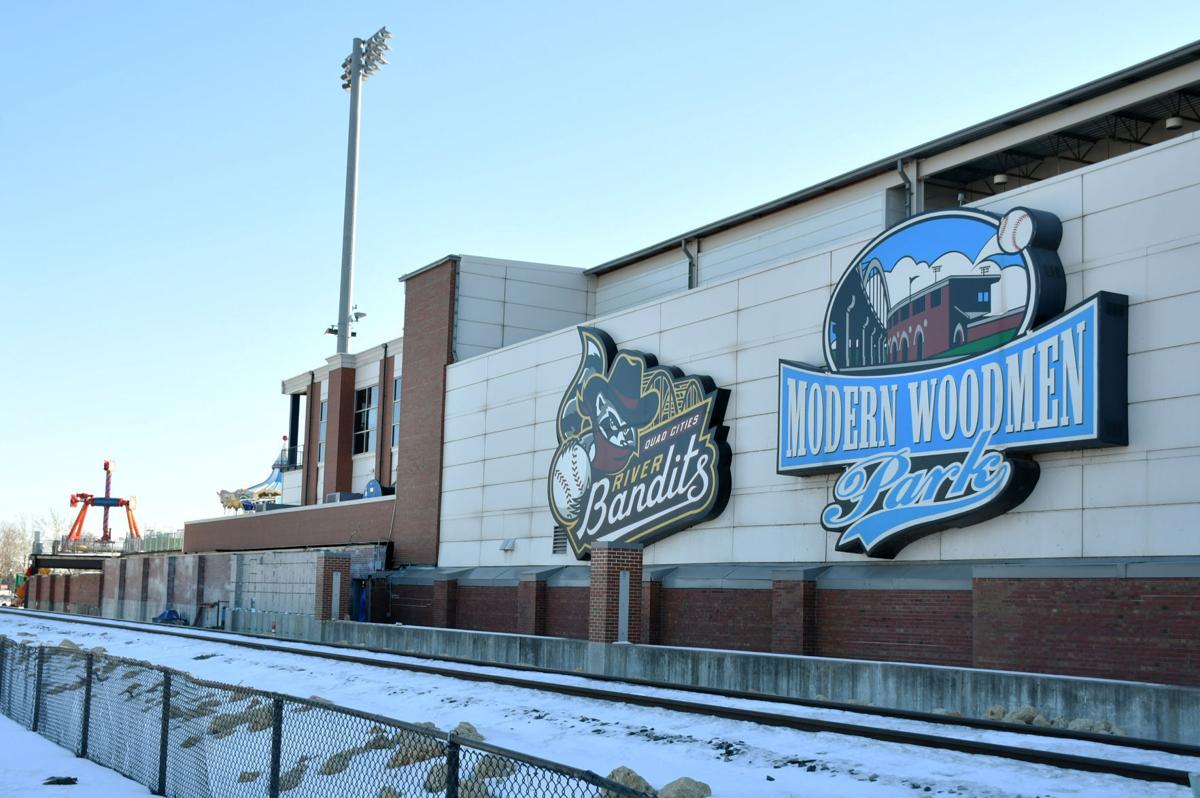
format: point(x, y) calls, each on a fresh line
point(1000, 179)
point(1174, 122)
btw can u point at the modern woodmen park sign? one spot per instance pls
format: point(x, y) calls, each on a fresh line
point(949, 359)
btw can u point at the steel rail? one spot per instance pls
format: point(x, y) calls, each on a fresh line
point(1130, 770)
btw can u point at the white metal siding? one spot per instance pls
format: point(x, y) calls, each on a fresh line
point(1130, 226)
point(641, 282)
point(782, 237)
point(505, 302)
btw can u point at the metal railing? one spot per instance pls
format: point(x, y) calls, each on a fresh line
point(182, 736)
point(290, 458)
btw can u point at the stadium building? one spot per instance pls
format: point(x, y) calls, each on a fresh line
point(940, 409)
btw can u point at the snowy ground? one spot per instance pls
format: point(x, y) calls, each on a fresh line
point(735, 758)
point(28, 759)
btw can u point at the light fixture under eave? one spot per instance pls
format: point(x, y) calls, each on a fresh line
point(1000, 179)
point(1174, 122)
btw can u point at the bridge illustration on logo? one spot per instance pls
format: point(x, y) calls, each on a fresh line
point(641, 448)
point(949, 359)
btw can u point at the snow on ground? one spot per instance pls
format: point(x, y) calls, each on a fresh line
point(734, 757)
point(27, 759)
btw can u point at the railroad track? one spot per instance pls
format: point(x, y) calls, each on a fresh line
point(1037, 756)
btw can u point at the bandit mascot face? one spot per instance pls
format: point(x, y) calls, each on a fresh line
point(641, 450)
point(617, 409)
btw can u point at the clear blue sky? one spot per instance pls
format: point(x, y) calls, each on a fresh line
point(171, 178)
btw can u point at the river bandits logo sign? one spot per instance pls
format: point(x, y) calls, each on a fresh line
point(641, 449)
point(950, 359)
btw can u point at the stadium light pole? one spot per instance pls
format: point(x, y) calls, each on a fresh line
point(365, 59)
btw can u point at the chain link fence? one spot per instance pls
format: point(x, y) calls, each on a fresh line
point(181, 736)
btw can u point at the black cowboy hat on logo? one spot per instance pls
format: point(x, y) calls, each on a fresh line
point(623, 389)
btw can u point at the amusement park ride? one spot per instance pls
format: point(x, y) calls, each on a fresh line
point(267, 491)
point(73, 542)
point(85, 500)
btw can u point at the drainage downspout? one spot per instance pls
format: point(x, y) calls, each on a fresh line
point(908, 187)
point(693, 263)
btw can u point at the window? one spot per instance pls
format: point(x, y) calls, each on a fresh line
point(918, 305)
point(364, 421)
point(904, 313)
point(321, 434)
point(935, 298)
point(396, 413)
point(985, 296)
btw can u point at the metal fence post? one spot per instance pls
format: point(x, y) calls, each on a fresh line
point(3, 661)
point(165, 731)
point(452, 765)
point(87, 705)
point(37, 689)
point(276, 745)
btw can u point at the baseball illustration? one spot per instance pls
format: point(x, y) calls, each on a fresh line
point(570, 479)
point(1015, 231)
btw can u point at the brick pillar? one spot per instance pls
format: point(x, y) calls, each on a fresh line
point(531, 605)
point(608, 561)
point(66, 594)
point(327, 566)
point(383, 441)
point(200, 560)
point(652, 602)
point(445, 601)
point(121, 588)
point(310, 491)
point(427, 350)
point(339, 426)
point(170, 583)
point(145, 594)
point(794, 615)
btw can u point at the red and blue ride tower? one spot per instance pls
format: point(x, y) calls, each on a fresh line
point(85, 500)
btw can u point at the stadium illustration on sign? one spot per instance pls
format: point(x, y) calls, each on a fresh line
point(641, 449)
point(947, 362)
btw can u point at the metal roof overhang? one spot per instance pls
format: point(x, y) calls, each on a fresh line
point(1087, 91)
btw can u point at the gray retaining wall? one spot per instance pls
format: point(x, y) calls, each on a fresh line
point(1155, 711)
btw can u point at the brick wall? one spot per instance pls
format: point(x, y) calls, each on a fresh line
point(716, 618)
point(1140, 629)
point(411, 604)
point(329, 525)
point(932, 626)
point(85, 593)
point(567, 612)
point(428, 324)
point(489, 609)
